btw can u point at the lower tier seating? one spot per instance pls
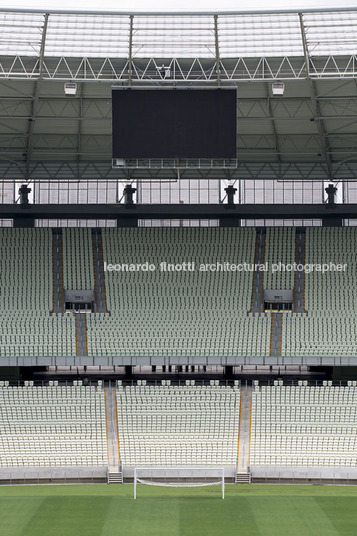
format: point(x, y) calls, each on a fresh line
point(52, 426)
point(304, 426)
point(189, 425)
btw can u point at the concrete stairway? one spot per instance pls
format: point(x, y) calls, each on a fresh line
point(243, 478)
point(58, 305)
point(115, 475)
point(257, 293)
point(299, 275)
point(115, 478)
point(81, 334)
point(276, 327)
point(244, 436)
point(99, 291)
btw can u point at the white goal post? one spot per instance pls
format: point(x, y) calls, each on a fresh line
point(179, 477)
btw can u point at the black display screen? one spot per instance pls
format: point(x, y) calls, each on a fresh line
point(191, 123)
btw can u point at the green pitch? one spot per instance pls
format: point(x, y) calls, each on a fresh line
point(100, 510)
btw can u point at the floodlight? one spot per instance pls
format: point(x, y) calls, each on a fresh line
point(331, 191)
point(70, 88)
point(24, 195)
point(278, 88)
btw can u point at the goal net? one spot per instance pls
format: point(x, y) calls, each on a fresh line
point(179, 477)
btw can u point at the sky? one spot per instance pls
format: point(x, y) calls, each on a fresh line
point(174, 5)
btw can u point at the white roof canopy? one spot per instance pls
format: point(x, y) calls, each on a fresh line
point(178, 35)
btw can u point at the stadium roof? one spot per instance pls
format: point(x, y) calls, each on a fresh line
point(309, 132)
point(191, 35)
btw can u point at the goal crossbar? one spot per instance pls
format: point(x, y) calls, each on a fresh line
point(179, 477)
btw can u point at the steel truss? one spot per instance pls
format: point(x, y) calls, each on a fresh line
point(97, 170)
point(201, 71)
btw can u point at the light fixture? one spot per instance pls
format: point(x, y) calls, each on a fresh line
point(164, 71)
point(70, 88)
point(24, 195)
point(278, 88)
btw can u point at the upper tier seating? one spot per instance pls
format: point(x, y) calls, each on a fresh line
point(178, 313)
point(26, 280)
point(330, 326)
point(279, 247)
point(78, 268)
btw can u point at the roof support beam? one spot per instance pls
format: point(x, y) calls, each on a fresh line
point(315, 103)
point(80, 123)
point(216, 42)
point(130, 56)
point(271, 116)
point(36, 93)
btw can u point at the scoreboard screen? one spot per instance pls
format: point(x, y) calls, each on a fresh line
point(174, 123)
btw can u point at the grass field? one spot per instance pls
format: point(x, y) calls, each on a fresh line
point(101, 510)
